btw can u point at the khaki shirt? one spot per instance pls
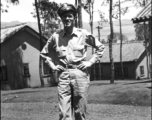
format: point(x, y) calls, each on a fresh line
point(73, 48)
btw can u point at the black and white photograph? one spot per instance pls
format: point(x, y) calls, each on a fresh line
point(76, 59)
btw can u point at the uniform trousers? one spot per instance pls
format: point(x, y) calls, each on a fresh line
point(73, 88)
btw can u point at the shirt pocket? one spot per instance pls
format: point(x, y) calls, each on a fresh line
point(78, 50)
point(61, 51)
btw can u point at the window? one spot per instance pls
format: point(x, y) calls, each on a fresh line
point(46, 69)
point(26, 69)
point(3, 74)
point(118, 71)
point(141, 70)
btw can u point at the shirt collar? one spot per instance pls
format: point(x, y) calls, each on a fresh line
point(73, 33)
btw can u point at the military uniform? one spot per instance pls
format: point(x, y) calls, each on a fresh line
point(73, 82)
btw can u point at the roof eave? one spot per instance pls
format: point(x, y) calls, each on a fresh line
point(142, 19)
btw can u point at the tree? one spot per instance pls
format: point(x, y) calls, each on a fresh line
point(110, 42)
point(76, 19)
point(118, 11)
point(80, 25)
point(41, 43)
point(121, 40)
point(48, 14)
point(14, 2)
point(110, 37)
point(102, 20)
point(88, 6)
point(117, 36)
point(117, 14)
point(140, 29)
point(142, 34)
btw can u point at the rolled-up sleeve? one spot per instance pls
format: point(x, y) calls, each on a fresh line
point(99, 47)
point(46, 49)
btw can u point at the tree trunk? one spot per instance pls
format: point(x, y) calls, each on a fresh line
point(99, 60)
point(40, 33)
point(91, 27)
point(150, 47)
point(79, 14)
point(99, 70)
point(147, 52)
point(122, 71)
point(76, 18)
point(110, 43)
point(92, 16)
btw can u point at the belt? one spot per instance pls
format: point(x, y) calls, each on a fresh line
point(71, 66)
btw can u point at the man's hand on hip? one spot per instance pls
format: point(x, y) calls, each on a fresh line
point(58, 68)
point(55, 67)
point(84, 65)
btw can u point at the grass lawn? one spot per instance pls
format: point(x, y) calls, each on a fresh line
point(123, 100)
point(100, 92)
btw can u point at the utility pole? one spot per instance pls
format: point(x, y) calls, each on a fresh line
point(99, 27)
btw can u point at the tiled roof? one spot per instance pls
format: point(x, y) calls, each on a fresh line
point(130, 52)
point(145, 14)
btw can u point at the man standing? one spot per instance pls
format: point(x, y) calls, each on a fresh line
point(70, 45)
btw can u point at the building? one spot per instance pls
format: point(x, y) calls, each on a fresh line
point(145, 17)
point(133, 58)
point(19, 66)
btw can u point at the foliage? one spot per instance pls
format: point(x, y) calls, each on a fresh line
point(48, 14)
point(102, 18)
point(103, 41)
point(5, 10)
point(88, 6)
point(117, 37)
point(13, 1)
point(139, 30)
point(124, 10)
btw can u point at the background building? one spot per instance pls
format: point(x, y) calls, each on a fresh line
point(133, 58)
point(19, 66)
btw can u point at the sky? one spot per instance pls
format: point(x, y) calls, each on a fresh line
point(22, 12)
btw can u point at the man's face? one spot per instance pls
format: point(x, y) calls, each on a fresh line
point(68, 19)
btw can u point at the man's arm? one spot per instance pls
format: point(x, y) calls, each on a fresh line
point(45, 52)
point(99, 48)
point(45, 55)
